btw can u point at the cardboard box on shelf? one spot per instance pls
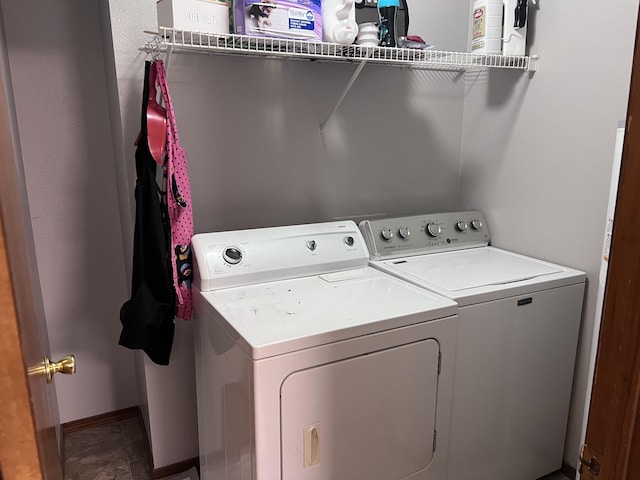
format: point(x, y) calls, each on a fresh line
point(296, 19)
point(206, 16)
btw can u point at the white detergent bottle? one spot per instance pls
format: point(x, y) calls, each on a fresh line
point(487, 27)
point(514, 41)
point(339, 21)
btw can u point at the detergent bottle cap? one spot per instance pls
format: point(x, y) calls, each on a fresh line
point(388, 3)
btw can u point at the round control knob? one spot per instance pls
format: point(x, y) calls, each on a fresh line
point(349, 241)
point(386, 234)
point(404, 232)
point(461, 226)
point(433, 229)
point(232, 255)
point(476, 224)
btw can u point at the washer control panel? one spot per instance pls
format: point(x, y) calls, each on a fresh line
point(434, 232)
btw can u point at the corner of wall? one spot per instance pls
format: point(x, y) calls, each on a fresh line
point(170, 408)
point(142, 392)
point(122, 177)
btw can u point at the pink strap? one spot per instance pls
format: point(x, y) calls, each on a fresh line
point(179, 205)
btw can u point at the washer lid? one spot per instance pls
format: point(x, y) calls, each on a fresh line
point(272, 318)
point(472, 268)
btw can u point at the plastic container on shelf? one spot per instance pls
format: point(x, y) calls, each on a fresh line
point(339, 21)
point(514, 41)
point(487, 27)
point(388, 12)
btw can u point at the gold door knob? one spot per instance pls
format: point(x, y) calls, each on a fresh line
point(67, 366)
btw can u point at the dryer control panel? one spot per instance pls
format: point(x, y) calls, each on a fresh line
point(428, 233)
point(245, 257)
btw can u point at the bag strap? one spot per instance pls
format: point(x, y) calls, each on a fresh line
point(164, 87)
point(405, 6)
point(145, 102)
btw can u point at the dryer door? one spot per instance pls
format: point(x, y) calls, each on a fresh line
point(370, 417)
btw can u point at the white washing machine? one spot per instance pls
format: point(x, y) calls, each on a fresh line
point(518, 324)
point(311, 365)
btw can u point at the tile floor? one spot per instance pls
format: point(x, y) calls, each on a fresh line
point(118, 451)
point(115, 451)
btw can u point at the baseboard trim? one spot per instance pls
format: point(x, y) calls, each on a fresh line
point(102, 419)
point(175, 468)
point(568, 470)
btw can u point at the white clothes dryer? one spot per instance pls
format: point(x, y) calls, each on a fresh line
point(518, 325)
point(311, 365)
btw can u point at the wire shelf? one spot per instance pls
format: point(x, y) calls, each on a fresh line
point(169, 39)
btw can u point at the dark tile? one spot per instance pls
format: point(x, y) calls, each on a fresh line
point(91, 436)
point(132, 426)
point(134, 440)
point(140, 470)
point(94, 450)
point(117, 451)
point(100, 449)
point(108, 472)
point(101, 472)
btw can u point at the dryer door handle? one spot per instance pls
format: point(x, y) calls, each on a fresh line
point(311, 445)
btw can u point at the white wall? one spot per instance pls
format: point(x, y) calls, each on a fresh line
point(537, 151)
point(61, 103)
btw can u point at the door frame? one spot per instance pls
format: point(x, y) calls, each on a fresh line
point(613, 426)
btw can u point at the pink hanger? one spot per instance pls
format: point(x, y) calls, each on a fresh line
point(156, 121)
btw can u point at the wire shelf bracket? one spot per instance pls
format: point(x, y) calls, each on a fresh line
point(355, 75)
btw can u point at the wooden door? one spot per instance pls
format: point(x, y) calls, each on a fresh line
point(612, 449)
point(28, 445)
